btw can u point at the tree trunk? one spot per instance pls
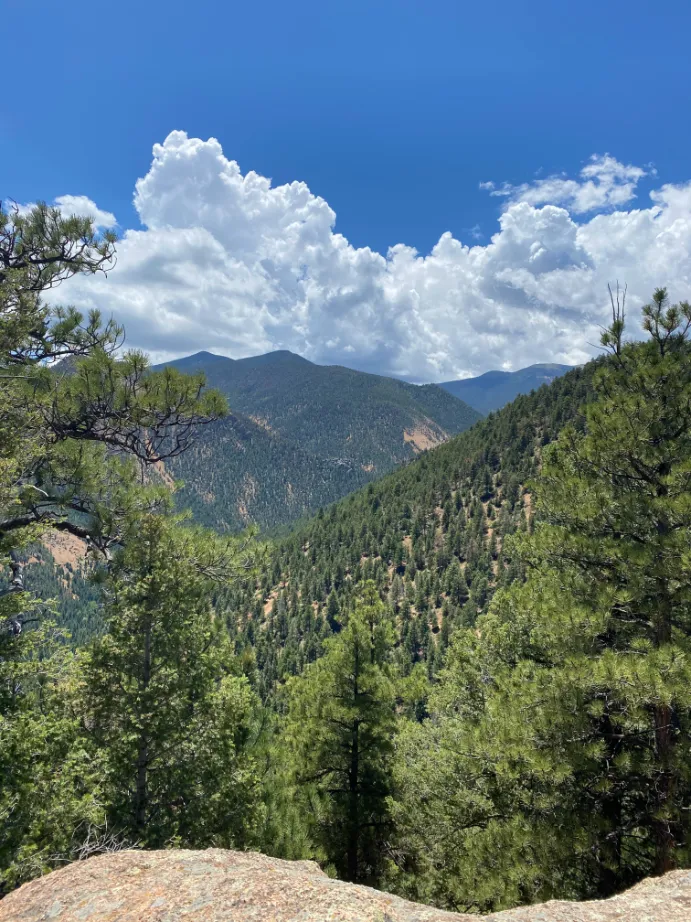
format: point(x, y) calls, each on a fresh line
point(611, 871)
point(353, 781)
point(141, 797)
point(662, 822)
point(354, 804)
point(664, 743)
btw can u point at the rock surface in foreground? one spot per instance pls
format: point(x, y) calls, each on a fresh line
point(225, 886)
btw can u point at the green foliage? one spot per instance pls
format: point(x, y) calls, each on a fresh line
point(340, 725)
point(76, 440)
point(168, 711)
point(72, 586)
point(474, 673)
point(556, 763)
point(50, 796)
point(70, 434)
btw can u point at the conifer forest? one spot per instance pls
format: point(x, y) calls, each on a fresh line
point(441, 652)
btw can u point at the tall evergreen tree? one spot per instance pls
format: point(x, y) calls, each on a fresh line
point(341, 722)
point(169, 711)
point(557, 763)
point(74, 437)
point(612, 555)
point(51, 799)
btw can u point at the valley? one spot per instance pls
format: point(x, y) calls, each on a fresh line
point(431, 535)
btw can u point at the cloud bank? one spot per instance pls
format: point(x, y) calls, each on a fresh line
point(229, 263)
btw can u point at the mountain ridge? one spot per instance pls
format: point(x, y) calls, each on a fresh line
point(494, 389)
point(302, 435)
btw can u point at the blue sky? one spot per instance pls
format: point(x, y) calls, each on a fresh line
point(392, 112)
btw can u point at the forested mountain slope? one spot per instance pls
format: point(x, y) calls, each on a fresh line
point(236, 473)
point(303, 435)
point(495, 389)
point(430, 534)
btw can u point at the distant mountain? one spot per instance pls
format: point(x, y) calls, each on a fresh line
point(302, 435)
point(495, 389)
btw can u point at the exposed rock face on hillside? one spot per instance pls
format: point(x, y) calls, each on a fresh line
point(225, 886)
point(305, 435)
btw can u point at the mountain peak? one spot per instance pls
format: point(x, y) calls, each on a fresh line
point(494, 389)
point(199, 361)
point(545, 366)
point(277, 357)
point(204, 354)
point(303, 435)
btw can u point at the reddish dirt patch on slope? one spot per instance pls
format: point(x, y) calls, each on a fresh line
point(65, 548)
point(423, 437)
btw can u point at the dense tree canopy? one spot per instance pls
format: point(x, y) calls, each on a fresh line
point(556, 761)
point(430, 535)
point(167, 707)
point(76, 441)
point(340, 725)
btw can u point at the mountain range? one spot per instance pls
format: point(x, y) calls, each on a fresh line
point(431, 532)
point(495, 389)
point(300, 436)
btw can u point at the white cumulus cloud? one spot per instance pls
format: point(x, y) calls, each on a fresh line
point(230, 263)
point(603, 183)
point(82, 206)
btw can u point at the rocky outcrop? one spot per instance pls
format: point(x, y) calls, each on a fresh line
point(225, 886)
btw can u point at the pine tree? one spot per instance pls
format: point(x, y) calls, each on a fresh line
point(170, 712)
point(79, 422)
point(333, 612)
point(557, 760)
point(340, 723)
point(612, 555)
point(50, 794)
